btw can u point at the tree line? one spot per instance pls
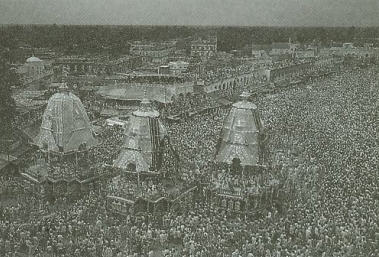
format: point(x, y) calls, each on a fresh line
point(114, 39)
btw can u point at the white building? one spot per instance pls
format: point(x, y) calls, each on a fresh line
point(34, 69)
point(178, 67)
point(204, 48)
point(154, 52)
point(34, 66)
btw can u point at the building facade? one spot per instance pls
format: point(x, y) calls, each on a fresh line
point(178, 67)
point(204, 48)
point(83, 65)
point(260, 51)
point(34, 69)
point(153, 52)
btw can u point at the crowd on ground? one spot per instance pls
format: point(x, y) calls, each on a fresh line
point(153, 78)
point(323, 136)
point(132, 188)
point(190, 103)
point(222, 73)
point(217, 73)
point(243, 184)
point(195, 139)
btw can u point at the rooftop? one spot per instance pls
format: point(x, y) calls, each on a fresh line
point(280, 45)
point(33, 59)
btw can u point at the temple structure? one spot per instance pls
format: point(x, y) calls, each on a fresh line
point(242, 135)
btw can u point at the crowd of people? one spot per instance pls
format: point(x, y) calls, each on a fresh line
point(150, 78)
point(190, 103)
point(195, 139)
point(329, 145)
point(322, 137)
point(218, 72)
point(132, 188)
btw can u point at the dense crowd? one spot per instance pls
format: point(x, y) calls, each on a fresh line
point(190, 103)
point(323, 136)
point(335, 181)
point(329, 129)
point(131, 188)
point(195, 139)
point(220, 73)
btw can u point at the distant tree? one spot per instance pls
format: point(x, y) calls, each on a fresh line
point(72, 40)
point(351, 33)
point(8, 78)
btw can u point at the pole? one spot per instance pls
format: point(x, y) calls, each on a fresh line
point(138, 182)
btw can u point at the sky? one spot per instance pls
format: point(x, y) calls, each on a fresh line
point(192, 12)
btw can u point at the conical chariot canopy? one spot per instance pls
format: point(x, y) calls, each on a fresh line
point(143, 144)
point(65, 125)
point(240, 134)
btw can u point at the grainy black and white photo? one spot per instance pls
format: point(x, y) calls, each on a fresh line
point(189, 128)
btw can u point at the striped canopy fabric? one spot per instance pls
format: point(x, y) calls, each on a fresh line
point(143, 141)
point(240, 135)
point(65, 125)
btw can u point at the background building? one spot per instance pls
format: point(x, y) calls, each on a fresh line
point(204, 48)
point(178, 67)
point(154, 52)
point(34, 69)
point(260, 51)
point(34, 66)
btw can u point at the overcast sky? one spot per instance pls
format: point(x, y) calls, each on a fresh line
point(192, 12)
